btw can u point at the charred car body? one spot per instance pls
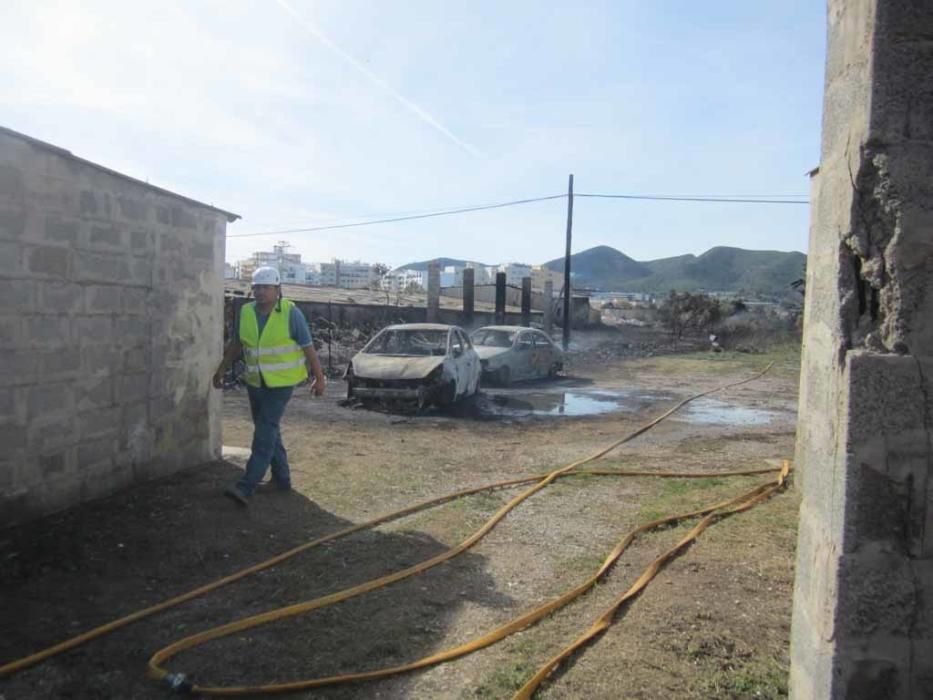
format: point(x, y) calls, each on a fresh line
point(512, 353)
point(417, 363)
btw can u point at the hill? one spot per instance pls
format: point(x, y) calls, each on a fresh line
point(720, 269)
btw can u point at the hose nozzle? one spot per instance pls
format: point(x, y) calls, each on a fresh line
point(178, 683)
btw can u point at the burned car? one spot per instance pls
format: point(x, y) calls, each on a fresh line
point(416, 363)
point(512, 353)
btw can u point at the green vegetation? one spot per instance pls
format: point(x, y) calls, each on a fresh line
point(764, 680)
point(505, 680)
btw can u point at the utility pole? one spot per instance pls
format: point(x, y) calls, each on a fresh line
point(567, 294)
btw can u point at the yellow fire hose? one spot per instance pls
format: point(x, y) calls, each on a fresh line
point(179, 682)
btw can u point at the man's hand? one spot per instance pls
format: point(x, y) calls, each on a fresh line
point(218, 380)
point(317, 386)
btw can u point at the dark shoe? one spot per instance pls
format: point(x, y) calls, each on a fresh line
point(235, 494)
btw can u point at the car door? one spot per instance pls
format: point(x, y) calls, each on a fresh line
point(471, 364)
point(524, 356)
point(543, 354)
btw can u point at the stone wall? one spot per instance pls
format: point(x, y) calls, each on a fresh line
point(863, 603)
point(110, 329)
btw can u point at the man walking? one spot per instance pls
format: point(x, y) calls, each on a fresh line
point(276, 344)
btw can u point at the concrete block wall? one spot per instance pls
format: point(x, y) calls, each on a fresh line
point(862, 621)
point(110, 328)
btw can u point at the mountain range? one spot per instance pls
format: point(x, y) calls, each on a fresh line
point(720, 269)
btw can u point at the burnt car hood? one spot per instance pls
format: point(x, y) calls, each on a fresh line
point(394, 366)
point(487, 352)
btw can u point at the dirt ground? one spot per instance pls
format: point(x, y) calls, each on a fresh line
point(714, 624)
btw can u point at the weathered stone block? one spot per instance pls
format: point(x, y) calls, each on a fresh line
point(95, 452)
point(98, 422)
point(135, 301)
point(51, 433)
point(101, 360)
point(922, 667)
point(103, 299)
point(12, 222)
point(877, 594)
point(97, 392)
point(57, 365)
point(12, 183)
point(12, 436)
point(133, 209)
point(142, 242)
point(49, 260)
point(885, 395)
point(47, 399)
point(48, 330)
point(133, 387)
point(12, 407)
point(106, 237)
point(59, 297)
point(22, 292)
point(53, 464)
point(11, 259)
point(182, 217)
point(135, 360)
point(59, 230)
point(140, 272)
point(19, 367)
point(132, 332)
point(87, 203)
point(11, 333)
point(873, 679)
point(100, 267)
point(93, 330)
point(203, 251)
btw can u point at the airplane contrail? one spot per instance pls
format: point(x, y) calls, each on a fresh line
point(375, 79)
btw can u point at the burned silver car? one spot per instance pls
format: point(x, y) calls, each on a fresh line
point(418, 363)
point(512, 353)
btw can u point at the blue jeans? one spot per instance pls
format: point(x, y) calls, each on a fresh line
point(267, 405)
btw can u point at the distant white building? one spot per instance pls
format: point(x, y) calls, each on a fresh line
point(540, 275)
point(514, 272)
point(399, 280)
point(348, 275)
point(480, 274)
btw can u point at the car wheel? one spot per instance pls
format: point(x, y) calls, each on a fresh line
point(555, 368)
point(504, 376)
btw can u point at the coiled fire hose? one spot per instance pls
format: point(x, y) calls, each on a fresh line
point(180, 683)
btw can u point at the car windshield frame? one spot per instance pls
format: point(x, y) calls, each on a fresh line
point(496, 333)
point(409, 342)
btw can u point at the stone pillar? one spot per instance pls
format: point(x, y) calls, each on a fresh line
point(434, 291)
point(468, 296)
point(526, 301)
point(500, 298)
point(863, 599)
point(548, 307)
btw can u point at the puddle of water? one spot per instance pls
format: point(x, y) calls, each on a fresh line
point(713, 412)
point(558, 403)
point(517, 403)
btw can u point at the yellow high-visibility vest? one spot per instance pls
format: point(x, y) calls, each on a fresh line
point(274, 354)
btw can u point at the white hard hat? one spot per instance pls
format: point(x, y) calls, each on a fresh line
point(266, 275)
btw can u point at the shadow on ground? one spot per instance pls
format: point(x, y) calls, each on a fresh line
point(65, 574)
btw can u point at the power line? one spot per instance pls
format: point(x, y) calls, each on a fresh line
point(445, 212)
point(730, 199)
point(757, 199)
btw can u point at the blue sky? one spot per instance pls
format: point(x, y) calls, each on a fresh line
point(299, 113)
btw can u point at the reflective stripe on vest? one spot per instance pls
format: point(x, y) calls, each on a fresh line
point(273, 354)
